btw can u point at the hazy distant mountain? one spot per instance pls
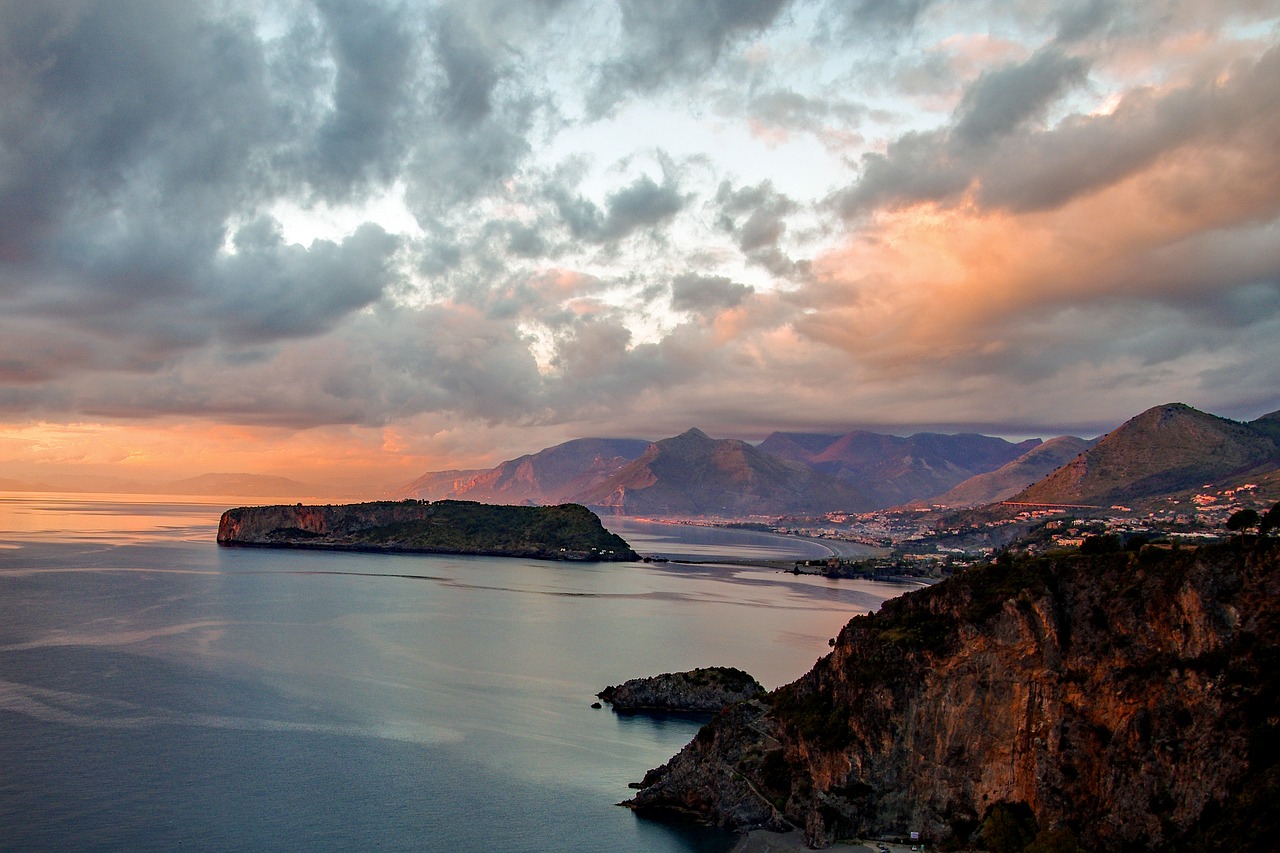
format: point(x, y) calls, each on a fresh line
point(693, 474)
point(1013, 477)
point(551, 476)
point(236, 485)
point(224, 485)
point(892, 470)
point(8, 485)
point(1165, 449)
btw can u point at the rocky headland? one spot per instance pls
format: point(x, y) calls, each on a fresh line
point(704, 690)
point(1121, 702)
point(565, 532)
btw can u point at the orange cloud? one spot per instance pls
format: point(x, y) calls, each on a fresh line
point(930, 282)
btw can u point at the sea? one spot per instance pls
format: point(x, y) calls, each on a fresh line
point(158, 692)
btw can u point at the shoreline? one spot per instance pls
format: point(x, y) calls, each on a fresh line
point(767, 841)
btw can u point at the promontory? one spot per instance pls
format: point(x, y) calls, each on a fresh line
point(1126, 702)
point(564, 532)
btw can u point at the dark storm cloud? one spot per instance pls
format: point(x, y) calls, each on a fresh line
point(1001, 101)
point(135, 134)
point(885, 13)
point(706, 295)
point(470, 72)
point(270, 290)
point(1085, 153)
point(996, 147)
point(378, 365)
point(669, 40)
point(756, 217)
point(789, 110)
point(154, 156)
point(1078, 21)
point(643, 203)
point(940, 164)
point(362, 138)
point(123, 99)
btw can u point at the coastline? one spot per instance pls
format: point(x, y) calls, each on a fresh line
point(765, 841)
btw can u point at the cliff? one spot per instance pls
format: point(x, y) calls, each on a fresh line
point(703, 690)
point(1129, 700)
point(565, 532)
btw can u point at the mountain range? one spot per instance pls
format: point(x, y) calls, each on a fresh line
point(892, 470)
point(202, 485)
point(1163, 450)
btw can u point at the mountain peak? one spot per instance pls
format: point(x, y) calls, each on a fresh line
point(1164, 449)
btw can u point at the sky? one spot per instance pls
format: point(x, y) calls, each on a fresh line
point(363, 240)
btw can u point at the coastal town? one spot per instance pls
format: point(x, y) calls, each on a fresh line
point(932, 542)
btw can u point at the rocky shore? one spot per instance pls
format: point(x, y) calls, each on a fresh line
point(705, 690)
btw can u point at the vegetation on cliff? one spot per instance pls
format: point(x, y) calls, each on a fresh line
point(1124, 700)
point(707, 689)
point(565, 532)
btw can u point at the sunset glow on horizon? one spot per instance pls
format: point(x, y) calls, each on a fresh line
point(354, 242)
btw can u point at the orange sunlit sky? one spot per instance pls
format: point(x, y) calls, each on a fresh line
point(354, 242)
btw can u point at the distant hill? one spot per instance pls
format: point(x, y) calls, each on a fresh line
point(237, 485)
point(8, 485)
point(1163, 450)
point(213, 485)
point(1013, 477)
point(694, 474)
point(891, 470)
point(555, 475)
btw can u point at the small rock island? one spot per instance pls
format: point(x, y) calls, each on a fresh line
point(705, 690)
point(564, 532)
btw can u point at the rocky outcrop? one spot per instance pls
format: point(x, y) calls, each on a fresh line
point(702, 690)
point(1130, 700)
point(565, 532)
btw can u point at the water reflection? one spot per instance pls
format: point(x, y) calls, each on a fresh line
point(405, 694)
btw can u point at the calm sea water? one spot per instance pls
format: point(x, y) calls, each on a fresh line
point(160, 693)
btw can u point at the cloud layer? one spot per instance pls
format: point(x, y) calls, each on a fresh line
point(466, 230)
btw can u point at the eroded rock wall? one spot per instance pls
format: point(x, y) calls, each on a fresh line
point(1128, 698)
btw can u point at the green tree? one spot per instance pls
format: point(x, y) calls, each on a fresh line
point(1105, 544)
point(1241, 520)
point(1270, 521)
point(1008, 827)
point(1053, 841)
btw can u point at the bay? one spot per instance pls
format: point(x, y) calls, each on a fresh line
point(159, 692)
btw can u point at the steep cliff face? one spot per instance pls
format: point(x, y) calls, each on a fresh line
point(1129, 699)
